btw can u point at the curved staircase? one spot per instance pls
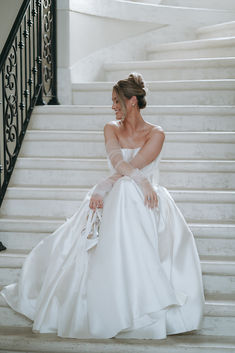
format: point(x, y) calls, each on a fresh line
point(192, 96)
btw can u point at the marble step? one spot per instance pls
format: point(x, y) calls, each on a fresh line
point(152, 14)
point(182, 92)
point(213, 240)
point(179, 69)
point(204, 48)
point(200, 205)
point(206, 246)
point(14, 259)
point(32, 225)
point(220, 30)
point(82, 172)
point(153, 2)
point(215, 285)
point(90, 144)
point(208, 4)
point(171, 118)
point(218, 275)
point(219, 318)
point(23, 340)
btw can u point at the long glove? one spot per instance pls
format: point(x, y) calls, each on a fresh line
point(145, 156)
point(105, 185)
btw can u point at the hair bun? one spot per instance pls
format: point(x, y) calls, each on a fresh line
point(139, 81)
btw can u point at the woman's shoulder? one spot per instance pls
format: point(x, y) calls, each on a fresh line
point(152, 129)
point(112, 125)
point(155, 130)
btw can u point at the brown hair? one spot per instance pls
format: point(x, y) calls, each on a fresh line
point(132, 86)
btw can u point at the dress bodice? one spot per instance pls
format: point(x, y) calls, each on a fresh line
point(151, 170)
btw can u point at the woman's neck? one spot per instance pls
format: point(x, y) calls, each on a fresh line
point(133, 122)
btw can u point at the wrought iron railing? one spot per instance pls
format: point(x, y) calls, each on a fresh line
point(28, 77)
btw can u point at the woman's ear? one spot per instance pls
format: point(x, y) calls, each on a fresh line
point(133, 100)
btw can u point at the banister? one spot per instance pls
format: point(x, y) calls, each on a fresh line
point(27, 76)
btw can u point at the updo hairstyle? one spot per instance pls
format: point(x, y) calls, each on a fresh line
point(132, 86)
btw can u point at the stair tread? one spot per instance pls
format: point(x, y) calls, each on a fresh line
point(195, 43)
point(15, 336)
point(51, 136)
point(100, 132)
point(82, 159)
point(228, 301)
point(165, 62)
point(192, 192)
point(13, 253)
point(73, 107)
point(96, 164)
point(43, 219)
point(199, 83)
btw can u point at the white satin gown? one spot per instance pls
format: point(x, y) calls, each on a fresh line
point(125, 271)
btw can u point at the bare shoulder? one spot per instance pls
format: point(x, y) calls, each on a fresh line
point(156, 131)
point(111, 129)
point(112, 125)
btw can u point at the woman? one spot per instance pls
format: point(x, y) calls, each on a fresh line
point(125, 264)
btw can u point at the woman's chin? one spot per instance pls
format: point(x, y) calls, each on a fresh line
point(118, 117)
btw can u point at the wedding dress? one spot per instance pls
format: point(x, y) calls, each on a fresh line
point(125, 271)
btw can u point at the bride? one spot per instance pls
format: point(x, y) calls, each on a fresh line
point(125, 264)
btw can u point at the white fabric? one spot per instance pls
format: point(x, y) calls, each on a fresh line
point(121, 166)
point(126, 271)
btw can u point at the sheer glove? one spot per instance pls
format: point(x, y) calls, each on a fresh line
point(101, 189)
point(122, 167)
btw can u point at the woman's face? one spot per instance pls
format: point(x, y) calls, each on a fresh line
point(116, 106)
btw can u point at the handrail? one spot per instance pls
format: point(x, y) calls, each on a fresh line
point(12, 34)
point(27, 76)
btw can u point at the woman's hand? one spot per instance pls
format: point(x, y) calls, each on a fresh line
point(150, 196)
point(96, 201)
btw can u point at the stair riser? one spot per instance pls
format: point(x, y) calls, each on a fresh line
point(216, 285)
point(163, 97)
point(188, 53)
point(65, 208)
point(206, 247)
point(79, 178)
point(169, 73)
point(96, 149)
point(9, 317)
point(197, 180)
point(221, 326)
point(20, 240)
point(216, 247)
point(173, 122)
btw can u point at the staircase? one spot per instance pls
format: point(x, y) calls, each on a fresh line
point(192, 96)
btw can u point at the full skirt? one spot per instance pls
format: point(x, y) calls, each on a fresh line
point(124, 271)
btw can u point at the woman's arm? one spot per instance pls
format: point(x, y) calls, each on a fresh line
point(101, 189)
point(145, 155)
point(124, 168)
point(150, 150)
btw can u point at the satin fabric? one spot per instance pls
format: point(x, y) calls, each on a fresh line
point(125, 271)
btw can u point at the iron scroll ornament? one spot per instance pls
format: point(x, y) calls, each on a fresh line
point(28, 78)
